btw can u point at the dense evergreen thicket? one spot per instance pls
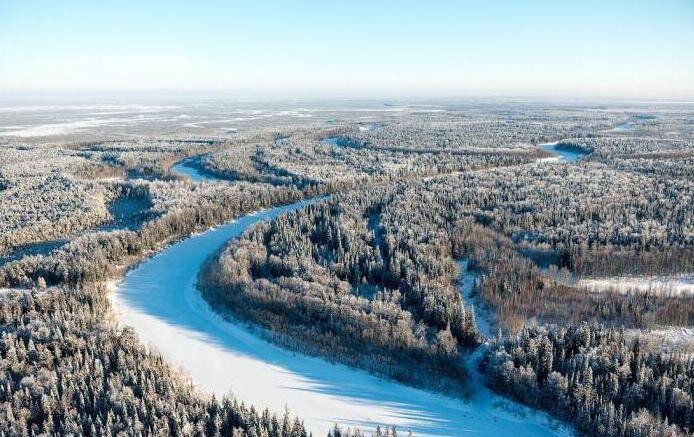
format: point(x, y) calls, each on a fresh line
point(565, 207)
point(65, 370)
point(404, 238)
point(53, 191)
point(594, 378)
point(484, 128)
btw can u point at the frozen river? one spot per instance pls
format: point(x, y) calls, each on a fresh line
point(160, 301)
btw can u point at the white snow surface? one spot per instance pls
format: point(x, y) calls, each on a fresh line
point(675, 339)
point(9, 291)
point(483, 316)
point(551, 159)
point(676, 285)
point(44, 130)
point(481, 397)
point(160, 301)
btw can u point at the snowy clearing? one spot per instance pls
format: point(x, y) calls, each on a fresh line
point(674, 339)
point(671, 285)
point(483, 316)
point(678, 285)
point(549, 159)
point(51, 129)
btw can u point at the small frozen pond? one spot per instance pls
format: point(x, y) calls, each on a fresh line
point(31, 249)
point(129, 213)
point(281, 140)
point(334, 141)
point(372, 127)
point(340, 141)
point(561, 153)
point(623, 127)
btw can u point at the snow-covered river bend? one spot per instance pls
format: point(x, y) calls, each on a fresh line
point(160, 301)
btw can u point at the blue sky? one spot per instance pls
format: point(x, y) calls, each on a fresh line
point(583, 48)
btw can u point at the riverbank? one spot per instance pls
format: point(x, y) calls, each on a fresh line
point(160, 301)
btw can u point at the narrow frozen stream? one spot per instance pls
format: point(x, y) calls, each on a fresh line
point(483, 317)
point(160, 301)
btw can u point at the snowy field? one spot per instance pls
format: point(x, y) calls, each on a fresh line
point(677, 285)
point(671, 285)
point(672, 339)
point(163, 115)
point(160, 301)
point(52, 129)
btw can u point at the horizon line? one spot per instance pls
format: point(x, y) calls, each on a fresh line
point(338, 94)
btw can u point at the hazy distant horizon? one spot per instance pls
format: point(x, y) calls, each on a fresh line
point(191, 96)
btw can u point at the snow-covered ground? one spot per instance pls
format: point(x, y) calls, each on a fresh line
point(372, 127)
point(673, 339)
point(676, 285)
point(483, 316)
point(5, 292)
point(549, 159)
point(49, 129)
point(480, 395)
point(673, 285)
point(623, 127)
point(160, 301)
